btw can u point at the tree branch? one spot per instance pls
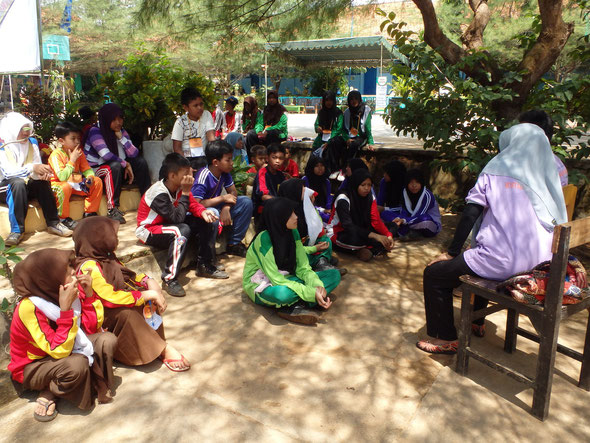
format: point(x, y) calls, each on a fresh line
point(472, 38)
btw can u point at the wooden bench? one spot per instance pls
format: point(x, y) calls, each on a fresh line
point(545, 319)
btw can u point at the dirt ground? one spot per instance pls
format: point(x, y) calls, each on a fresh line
point(356, 376)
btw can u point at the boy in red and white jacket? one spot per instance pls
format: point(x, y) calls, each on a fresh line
point(162, 220)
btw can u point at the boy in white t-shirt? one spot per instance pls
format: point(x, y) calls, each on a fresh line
point(193, 130)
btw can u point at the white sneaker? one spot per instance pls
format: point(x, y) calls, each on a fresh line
point(334, 174)
point(60, 229)
point(341, 177)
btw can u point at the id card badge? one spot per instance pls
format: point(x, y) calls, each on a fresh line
point(266, 127)
point(195, 142)
point(326, 134)
point(152, 318)
point(354, 132)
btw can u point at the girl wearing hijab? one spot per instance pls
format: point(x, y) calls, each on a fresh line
point(125, 295)
point(55, 347)
point(316, 178)
point(328, 126)
point(236, 140)
point(516, 202)
point(277, 271)
point(357, 124)
point(251, 118)
point(420, 215)
point(309, 224)
point(23, 176)
point(272, 128)
point(352, 165)
point(389, 200)
point(113, 157)
point(355, 222)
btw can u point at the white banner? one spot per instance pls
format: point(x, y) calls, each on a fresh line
point(381, 95)
point(19, 37)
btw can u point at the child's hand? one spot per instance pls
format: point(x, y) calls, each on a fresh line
point(43, 171)
point(321, 296)
point(129, 173)
point(225, 216)
point(67, 294)
point(89, 180)
point(75, 154)
point(387, 242)
point(287, 176)
point(321, 246)
point(209, 216)
point(230, 199)
point(319, 130)
point(119, 135)
point(85, 280)
point(156, 298)
point(398, 221)
point(186, 184)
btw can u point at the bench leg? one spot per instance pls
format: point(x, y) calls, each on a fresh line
point(464, 332)
point(545, 366)
point(584, 381)
point(511, 335)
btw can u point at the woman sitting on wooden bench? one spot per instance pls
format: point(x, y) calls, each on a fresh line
point(513, 209)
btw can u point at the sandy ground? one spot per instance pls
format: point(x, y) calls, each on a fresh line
point(356, 376)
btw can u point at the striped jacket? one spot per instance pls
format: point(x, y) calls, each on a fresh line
point(98, 153)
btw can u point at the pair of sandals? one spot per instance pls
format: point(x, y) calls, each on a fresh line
point(449, 348)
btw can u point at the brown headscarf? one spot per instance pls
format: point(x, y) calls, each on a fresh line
point(250, 112)
point(42, 273)
point(95, 238)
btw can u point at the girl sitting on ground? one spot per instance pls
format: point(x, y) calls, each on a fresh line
point(391, 187)
point(56, 346)
point(309, 225)
point(316, 178)
point(355, 221)
point(420, 215)
point(277, 272)
point(124, 295)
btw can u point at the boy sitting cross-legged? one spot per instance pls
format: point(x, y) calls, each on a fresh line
point(233, 211)
point(72, 175)
point(162, 219)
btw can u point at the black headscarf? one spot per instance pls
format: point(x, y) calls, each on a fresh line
point(317, 182)
point(414, 174)
point(293, 190)
point(272, 114)
point(393, 189)
point(359, 110)
point(327, 117)
point(106, 115)
point(360, 207)
point(275, 215)
point(357, 163)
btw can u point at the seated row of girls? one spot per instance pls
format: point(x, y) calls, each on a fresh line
point(58, 344)
point(277, 273)
point(341, 135)
point(407, 207)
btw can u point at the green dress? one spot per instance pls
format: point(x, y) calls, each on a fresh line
point(286, 290)
point(281, 126)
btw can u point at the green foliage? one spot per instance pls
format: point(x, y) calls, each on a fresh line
point(148, 90)
point(326, 79)
point(460, 117)
point(240, 174)
point(8, 255)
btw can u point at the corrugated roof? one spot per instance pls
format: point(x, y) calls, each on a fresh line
point(347, 52)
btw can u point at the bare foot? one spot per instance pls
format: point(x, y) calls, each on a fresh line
point(105, 397)
point(41, 408)
point(170, 354)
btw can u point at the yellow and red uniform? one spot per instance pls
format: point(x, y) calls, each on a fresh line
point(64, 171)
point(32, 337)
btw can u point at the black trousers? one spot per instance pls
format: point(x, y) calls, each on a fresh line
point(353, 238)
point(141, 175)
point(335, 154)
point(355, 144)
point(16, 194)
point(439, 281)
point(272, 136)
point(178, 238)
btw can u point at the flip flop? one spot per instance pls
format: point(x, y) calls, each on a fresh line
point(447, 348)
point(45, 403)
point(167, 362)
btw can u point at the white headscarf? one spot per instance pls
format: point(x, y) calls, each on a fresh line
point(526, 156)
point(11, 125)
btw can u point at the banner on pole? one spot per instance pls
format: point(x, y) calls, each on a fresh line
point(19, 51)
point(381, 95)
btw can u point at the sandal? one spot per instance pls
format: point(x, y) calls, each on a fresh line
point(447, 348)
point(46, 404)
point(168, 361)
point(478, 330)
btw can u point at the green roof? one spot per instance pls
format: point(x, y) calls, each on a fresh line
point(347, 52)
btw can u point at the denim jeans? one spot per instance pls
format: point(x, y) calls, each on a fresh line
point(241, 215)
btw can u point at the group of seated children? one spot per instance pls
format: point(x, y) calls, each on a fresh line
point(80, 311)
